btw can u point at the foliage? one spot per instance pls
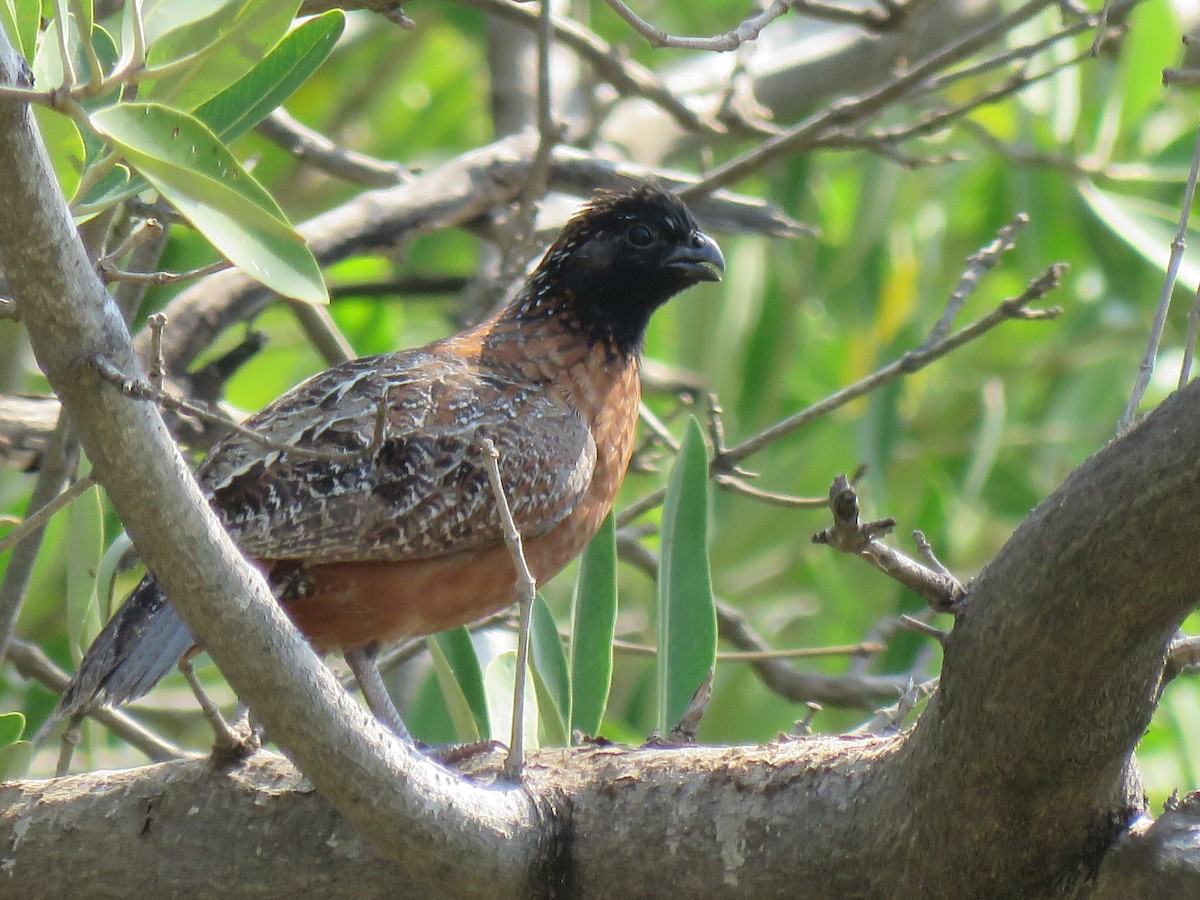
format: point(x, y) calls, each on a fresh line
point(1097, 155)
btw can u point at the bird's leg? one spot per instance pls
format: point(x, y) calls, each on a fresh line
point(526, 591)
point(362, 662)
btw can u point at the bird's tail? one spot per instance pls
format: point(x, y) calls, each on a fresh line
point(140, 644)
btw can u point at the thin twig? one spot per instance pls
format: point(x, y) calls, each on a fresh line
point(627, 76)
point(913, 361)
point(855, 109)
point(43, 514)
point(849, 534)
point(157, 372)
point(747, 30)
point(147, 230)
point(978, 264)
point(1146, 367)
point(861, 649)
point(322, 332)
point(318, 151)
point(161, 279)
point(526, 590)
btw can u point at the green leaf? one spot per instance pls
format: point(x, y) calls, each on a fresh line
point(107, 571)
point(498, 682)
point(15, 760)
point(459, 651)
point(65, 146)
point(1145, 52)
point(247, 101)
point(85, 547)
point(159, 17)
point(593, 620)
point(12, 726)
point(550, 669)
point(20, 19)
point(222, 47)
point(186, 162)
point(1146, 226)
point(687, 618)
point(452, 691)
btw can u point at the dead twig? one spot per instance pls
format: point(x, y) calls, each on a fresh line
point(849, 534)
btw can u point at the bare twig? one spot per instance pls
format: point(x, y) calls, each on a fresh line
point(1180, 77)
point(923, 627)
point(148, 230)
point(889, 718)
point(318, 151)
point(891, 16)
point(322, 332)
point(1183, 656)
point(157, 369)
point(1146, 367)
point(864, 649)
point(832, 690)
point(526, 593)
point(855, 109)
point(43, 514)
point(940, 590)
point(628, 77)
point(1189, 344)
point(913, 361)
point(747, 30)
point(978, 264)
point(161, 279)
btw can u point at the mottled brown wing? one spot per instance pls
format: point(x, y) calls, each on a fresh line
point(417, 489)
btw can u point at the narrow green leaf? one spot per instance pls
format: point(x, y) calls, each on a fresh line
point(427, 715)
point(12, 726)
point(1146, 226)
point(20, 19)
point(247, 101)
point(553, 729)
point(498, 682)
point(459, 650)
point(106, 574)
point(160, 17)
point(593, 620)
point(64, 143)
point(223, 46)
point(550, 668)
point(1144, 54)
point(85, 547)
point(186, 162)
point(452, 691)
point(687, 619)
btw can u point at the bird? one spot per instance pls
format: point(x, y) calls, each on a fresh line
point(363, 493)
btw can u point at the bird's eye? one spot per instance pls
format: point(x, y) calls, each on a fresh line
point(641, 236)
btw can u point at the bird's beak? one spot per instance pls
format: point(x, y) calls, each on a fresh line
point(699, 258)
